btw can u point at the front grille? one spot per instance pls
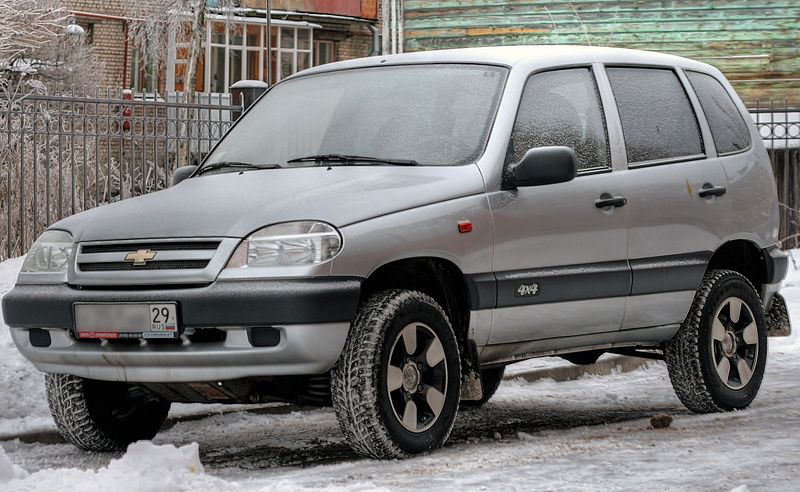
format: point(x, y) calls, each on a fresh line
point(150, 262)
point(154, 246)
point(114, 266)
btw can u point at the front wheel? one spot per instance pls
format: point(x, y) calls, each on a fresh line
point(396, 386)
point(102, 415)
point(716, 361)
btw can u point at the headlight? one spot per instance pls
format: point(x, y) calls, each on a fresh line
point(49, 254)
point(290, 244)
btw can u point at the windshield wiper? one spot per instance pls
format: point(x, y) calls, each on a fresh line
point(345, 159)
point(234, 165)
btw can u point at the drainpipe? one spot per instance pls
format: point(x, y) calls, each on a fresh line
point(376, 41)
point(125, 56)
point(269, 45)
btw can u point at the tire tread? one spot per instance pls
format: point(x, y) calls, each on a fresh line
point(69, 407)
point(354, 379)
point(682, 353)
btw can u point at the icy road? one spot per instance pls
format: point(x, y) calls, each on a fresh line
point(589, 434)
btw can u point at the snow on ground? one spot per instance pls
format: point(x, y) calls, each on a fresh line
point(791, 291)
point(24, 404)
point(589, 434)
point(144, 468)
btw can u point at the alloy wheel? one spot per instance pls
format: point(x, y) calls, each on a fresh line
point(734, 343)
point(416, 377)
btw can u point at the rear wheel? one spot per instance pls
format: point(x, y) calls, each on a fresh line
point(716, 361)
point(396, 385)
point(101, 415)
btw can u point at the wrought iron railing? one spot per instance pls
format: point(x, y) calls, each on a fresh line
point(65, 151)
point(779, 126)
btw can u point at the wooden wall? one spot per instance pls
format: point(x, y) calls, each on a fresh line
point(756, 43)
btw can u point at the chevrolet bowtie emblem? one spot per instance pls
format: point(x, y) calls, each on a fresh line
point(140, 257)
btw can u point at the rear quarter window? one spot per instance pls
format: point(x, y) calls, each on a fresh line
point(657, 118)
point(728, 129)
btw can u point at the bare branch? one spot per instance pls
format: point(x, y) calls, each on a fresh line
point(29, 25)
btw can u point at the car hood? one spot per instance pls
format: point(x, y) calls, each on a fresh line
point(236, 204)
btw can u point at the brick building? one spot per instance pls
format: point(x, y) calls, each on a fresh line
point(304, 33)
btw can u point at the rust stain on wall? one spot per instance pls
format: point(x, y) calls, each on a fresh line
point(366, 9)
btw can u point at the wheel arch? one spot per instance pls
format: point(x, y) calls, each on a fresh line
point(443, 280)
point(435, 276)
point(744, 257)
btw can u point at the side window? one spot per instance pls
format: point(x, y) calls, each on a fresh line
point(657, 118)
point(561, 108)
point(728, 129)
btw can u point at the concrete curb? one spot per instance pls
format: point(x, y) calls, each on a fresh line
point(614, 365)
point(566, 373)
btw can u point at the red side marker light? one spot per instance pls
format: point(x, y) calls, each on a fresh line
point(464, 226)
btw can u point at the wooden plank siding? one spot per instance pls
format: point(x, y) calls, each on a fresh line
point(756, 43)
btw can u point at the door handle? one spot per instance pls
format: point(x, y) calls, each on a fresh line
point(607, 200)
point(709, 190)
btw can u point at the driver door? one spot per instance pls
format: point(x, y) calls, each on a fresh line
point(560, 259)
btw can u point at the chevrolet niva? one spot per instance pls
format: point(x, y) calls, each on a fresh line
point(386, 234)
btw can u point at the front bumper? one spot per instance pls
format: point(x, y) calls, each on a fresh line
point(312, 315)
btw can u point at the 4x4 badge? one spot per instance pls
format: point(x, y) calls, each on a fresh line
point(140, 257)
point(527, 290)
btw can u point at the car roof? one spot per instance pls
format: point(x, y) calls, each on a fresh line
point(536, 55)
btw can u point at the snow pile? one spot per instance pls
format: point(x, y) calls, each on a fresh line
point(24, 402)
point(144, 468)
point(8, 470)
point(147, 467)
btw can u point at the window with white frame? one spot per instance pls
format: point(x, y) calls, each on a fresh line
point(236, 50)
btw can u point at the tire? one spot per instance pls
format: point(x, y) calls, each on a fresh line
point(711, 335)
point(101, 415)
point(372, 401)
point(490, 380)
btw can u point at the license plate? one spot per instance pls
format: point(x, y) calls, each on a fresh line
point(126, 320)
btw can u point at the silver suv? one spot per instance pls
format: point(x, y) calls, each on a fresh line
point(386, 234)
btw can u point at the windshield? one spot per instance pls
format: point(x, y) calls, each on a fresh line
point(431, 115)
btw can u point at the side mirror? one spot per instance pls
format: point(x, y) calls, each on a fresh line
point(546, 165)
point(181, 173)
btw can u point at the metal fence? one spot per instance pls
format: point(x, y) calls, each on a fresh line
point(65, 151)
point(68, 150)
point(779, 126)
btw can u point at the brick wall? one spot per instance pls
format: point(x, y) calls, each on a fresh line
point(352, 39)
point(357, 44)
point(106, 35)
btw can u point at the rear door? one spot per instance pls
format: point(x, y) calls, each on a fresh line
point(560, 261)
point(678, 211)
